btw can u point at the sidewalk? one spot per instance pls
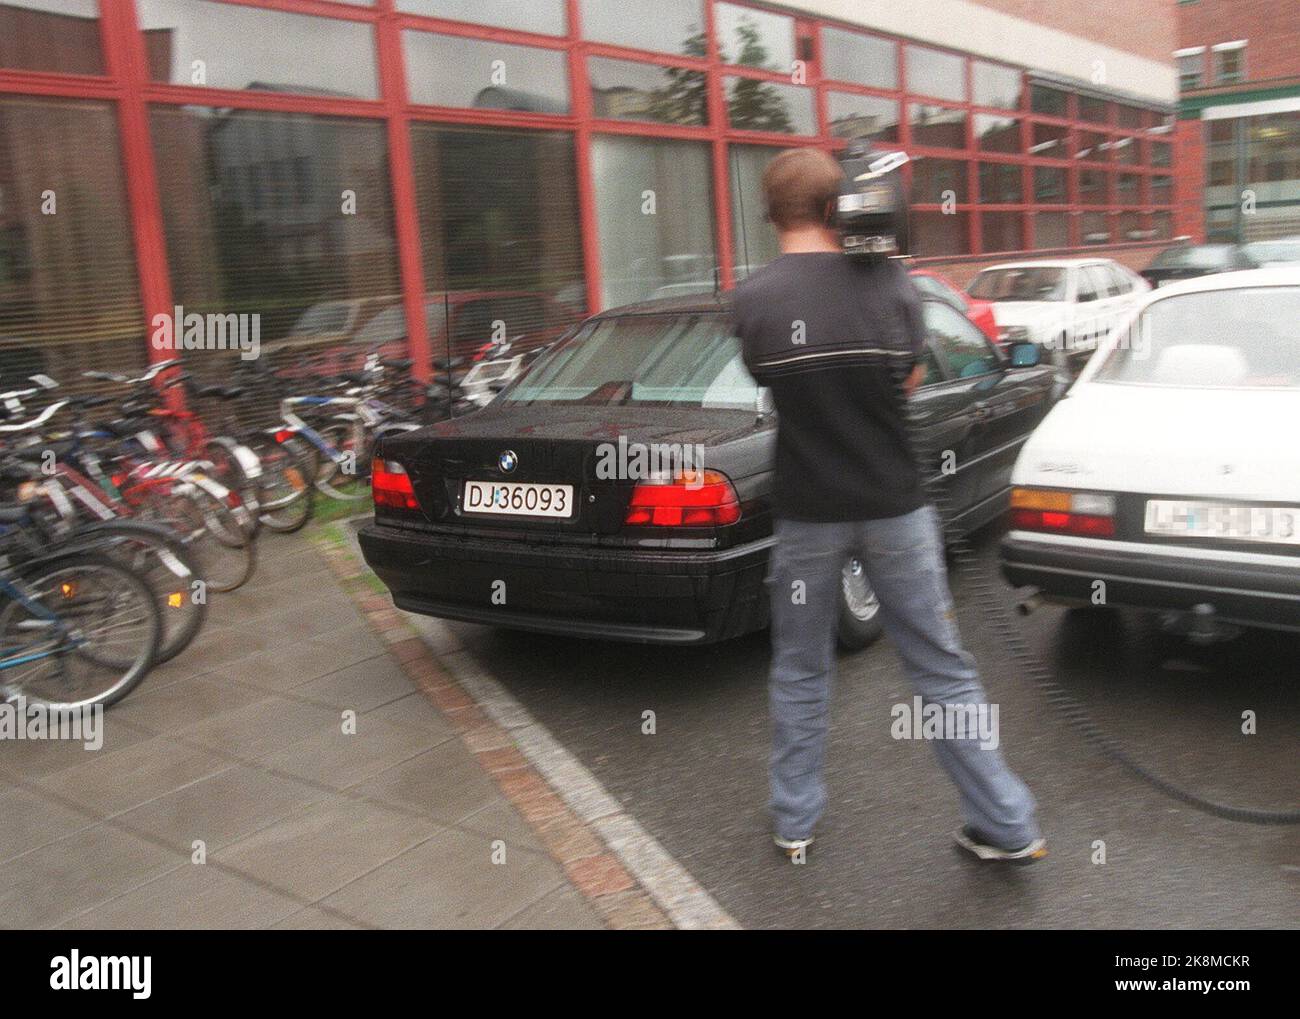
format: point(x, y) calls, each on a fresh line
point(237, 751)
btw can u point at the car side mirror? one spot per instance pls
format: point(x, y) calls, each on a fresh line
point(1025, 355)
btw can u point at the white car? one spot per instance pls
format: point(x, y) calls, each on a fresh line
point(1169, 477)
point(1066, 305)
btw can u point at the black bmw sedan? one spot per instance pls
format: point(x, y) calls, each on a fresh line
point(620, 488)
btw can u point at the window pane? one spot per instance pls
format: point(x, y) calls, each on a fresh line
point(934, 73)
point(1125, 150)
point(1190, 70)
point(673, 26)
point(444, 70)
point(627, 90)
point(1051, 230)
point(51, 35)
point(863, 59)
point(1273, 152)
point(1095, 227)
point(1094, 110)
point(996, 85)
point(1161, 153)
point(935, 181)
point(766, 106)
point(1001, 231)
point(1162, 190)
point(1093, 147)
point(1229, 66)
point(668, 249)
point(1049, 140)
point(69, 297)
point(199, 42)
point(1092, 187)
point(753, 237)
point(505, 259)
point(933, 233)
point(754, 38)
point(1050, 101)
point(545, 16)
point(938, 126)
point(1162, 226)
point(1127, 191)
point(251, 211)
point(1000, 184)
point(1131, 116)
point(1049, 185)
point(997, 134)
point(855, 116)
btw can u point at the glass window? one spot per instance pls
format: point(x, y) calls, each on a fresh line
point(1001, 231)
point(1126, 192)
point(445, 70)
point(934, 233)
point(508, 254)
point(1000, 184)
point(1095, 228)
point(862, 59)
point(1161, 153)
point(252, 216)
point(1022, 283)
point(51, 35)
point(1162, 226)
point(939, 127)
point(1131, 116)
point(1051, 230)
point(69, 297)
point(756, 105)
point(1222, 153)
point(1050, 185)
point(857, 116)
point(1162, 190)
point(935, 73)
point(1191, 69)
point(1050, 101)
point(629, 90)
point(1092, 283)
point(753, 237)
point(654, 212)
point(996, 85)
point(199, 42)
point(1125, 150)
point(1094, 110)
point(1230, 65)
point(963, 347)
point(1273, 148)
point(1092, 187)
point(997, 134)
point(545, 16)
point(1093, 147)
point(1049, 141)
point(667, 26)
point(935, 181)
point(754, 38)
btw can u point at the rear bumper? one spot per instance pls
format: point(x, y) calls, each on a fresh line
point(653, 596)
point(1248, 588)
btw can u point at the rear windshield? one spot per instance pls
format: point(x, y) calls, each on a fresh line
point(1028, 283)
point(681, 360)
point(1189, 256)
point(1221, 339)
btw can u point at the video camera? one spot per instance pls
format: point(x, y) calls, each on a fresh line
point(871, 213)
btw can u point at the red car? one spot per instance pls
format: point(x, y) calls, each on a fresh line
point(931, 284)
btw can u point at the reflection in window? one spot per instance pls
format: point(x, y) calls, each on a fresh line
point(1094, 110)
point(938, 127)
point(667, 26)
point(756, 105)
point(856, 116)
point(657, 250)
point(861, 59)
point(996, 85)
point(1095, 228)
point(1049, 141)
point(935, 73)
point(754, 38)
point(753, 237)
point(544, 16)
point(251, 211)
point(1049, 185)
point(69, 297)
point(1051, 230)
point(1050, 101)
point(51, 35)
point(997, 134)
point(200, 42)
point(629, 90)
point(1092, 187)
point(935, 181)
point(1001, 231)
point(934, 233)
point(509, 254)
point(1000, 184)
point(1093, 147)
point(1273, 148)
point(1162, 190)
point(444, 70)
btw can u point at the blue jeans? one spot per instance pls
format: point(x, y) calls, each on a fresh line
point(904, 562)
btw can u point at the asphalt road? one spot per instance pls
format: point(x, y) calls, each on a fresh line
point(884, 856)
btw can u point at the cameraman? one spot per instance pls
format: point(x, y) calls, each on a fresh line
point(838, 341)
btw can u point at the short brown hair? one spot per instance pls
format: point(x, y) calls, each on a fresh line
point(798, 184)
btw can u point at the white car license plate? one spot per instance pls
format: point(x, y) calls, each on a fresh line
point(517, 499)
point(1279, 525)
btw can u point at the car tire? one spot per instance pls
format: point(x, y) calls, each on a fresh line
point(860, 624)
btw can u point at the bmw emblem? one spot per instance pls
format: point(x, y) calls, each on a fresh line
point(508, 461)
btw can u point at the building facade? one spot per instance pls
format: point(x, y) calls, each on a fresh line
point(431, 170)
point(1239, 75)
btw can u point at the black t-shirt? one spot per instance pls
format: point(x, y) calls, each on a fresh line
point(834, 339)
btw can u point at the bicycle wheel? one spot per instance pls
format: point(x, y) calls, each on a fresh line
point(222, 562)
point(286, 494)
point(83, 631)
point(347, 478)
point(230, 472)
point(164, 562)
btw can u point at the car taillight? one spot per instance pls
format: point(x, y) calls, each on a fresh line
point(688, 499)
point(1059, 512)
point(391, 486)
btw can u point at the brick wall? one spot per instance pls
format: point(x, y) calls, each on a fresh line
point(1189, 179)
point(1145, 27)
point(1271, 28)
